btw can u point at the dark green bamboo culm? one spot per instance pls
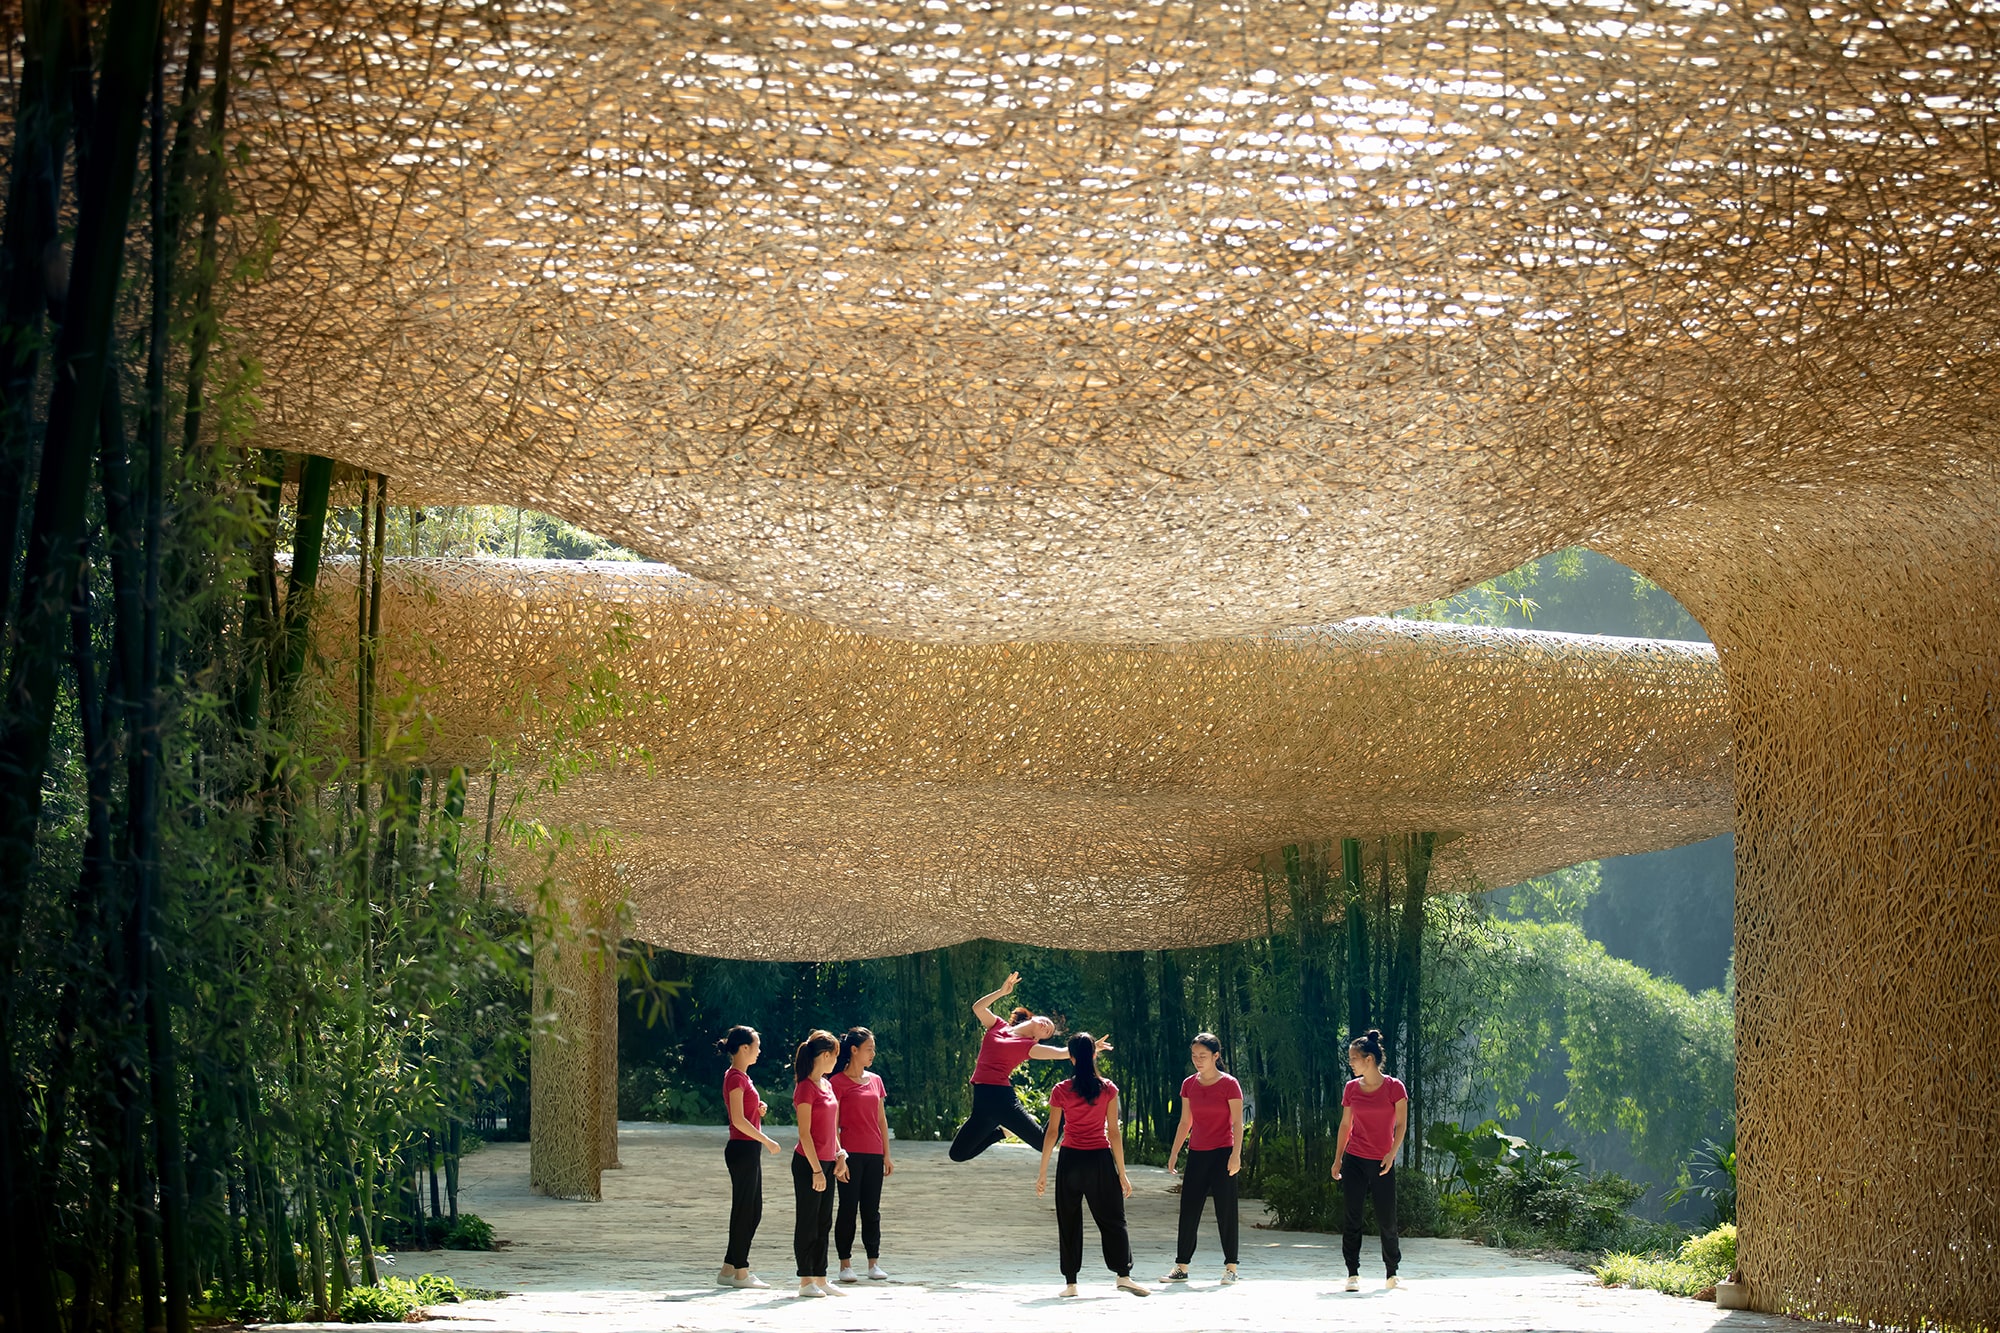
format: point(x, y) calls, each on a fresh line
point(49, 578)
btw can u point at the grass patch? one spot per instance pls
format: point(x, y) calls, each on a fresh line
point(1701, 1262)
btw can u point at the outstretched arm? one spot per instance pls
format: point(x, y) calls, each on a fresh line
point(982, 1008)
point(1043, 1051)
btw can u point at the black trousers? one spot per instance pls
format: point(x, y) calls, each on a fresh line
point(815, 1216)
point(1361, 1179)
point(995, 1109)
point(860, 1193)
point(1207, 1174)
point(745, 1159)
point(1090, 1175)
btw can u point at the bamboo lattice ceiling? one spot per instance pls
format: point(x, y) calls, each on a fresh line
point(809, 791)
point(1015, 321)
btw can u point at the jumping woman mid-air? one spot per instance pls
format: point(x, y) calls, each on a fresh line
point(817, 1162)
point(743, 1155)
point(864, 1134)
point(1003, 1049)
point(1212, 1127)
point(1083, 1113)
point(1374, 1116)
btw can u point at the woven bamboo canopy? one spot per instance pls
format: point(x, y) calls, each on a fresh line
point(789, 789)
point(1031, 321)
point(991, 324)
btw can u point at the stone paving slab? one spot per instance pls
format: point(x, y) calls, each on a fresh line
point(970, 1247)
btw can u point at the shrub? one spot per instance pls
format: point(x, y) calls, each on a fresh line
point(395, 1299)
point(1307, 1198)
point(1702, 1262)
point(389, 1303)
point(1509, 1192)
point(470, 1232)
point(1715, 1250)
point(1711, 1175)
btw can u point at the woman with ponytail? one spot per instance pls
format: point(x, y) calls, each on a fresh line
point(1374, 1116)
point(864, 1136)
point(743, 1155)
point(1083, 1116)
point(1003, 1048)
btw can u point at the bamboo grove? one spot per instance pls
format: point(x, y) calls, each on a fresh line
point(1349, 930)
point(254, 981)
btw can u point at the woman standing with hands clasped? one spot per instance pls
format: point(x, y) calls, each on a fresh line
point(1005, 1047)
point(864, 1135)
point(1212, 1127)
point(743, 1155)
point(817, 1162)
point(1083, 1114)
point(1374, 1116)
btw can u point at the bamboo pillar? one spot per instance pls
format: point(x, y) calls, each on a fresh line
point(1861, 641)
point(573, 1058)
point(607, 1068)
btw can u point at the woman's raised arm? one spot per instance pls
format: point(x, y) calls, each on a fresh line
point(982, 1008)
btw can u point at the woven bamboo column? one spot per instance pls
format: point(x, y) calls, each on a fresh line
point(606, 1073)
point(574, 1055)
point(1863, 660)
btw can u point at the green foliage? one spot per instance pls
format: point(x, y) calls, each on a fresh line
point(1714, 1249)
point(1303, 1197)
point(1560, 896)
point(1573, 591)
point(1549, 1019)
point(1505, 1189)
point(396, 1299)
point(469, 1232)
point(1710, 1175)
point(1702, 1262)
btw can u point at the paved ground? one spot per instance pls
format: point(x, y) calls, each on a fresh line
point(970, 1247)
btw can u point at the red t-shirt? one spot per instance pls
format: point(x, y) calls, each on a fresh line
point(1213, 1127)
point(1000, 1054)
point(860, 1112)
point(753, 1105)
point(1374, 1127)
point(1084, 1123)
point(825, 1117)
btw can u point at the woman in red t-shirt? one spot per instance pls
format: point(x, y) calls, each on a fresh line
point(1212, 1117)
point(1374, 1116)
point(1083, 1114)
point(742, 1154)
point(864, 1135)
point(1003, 1048)
point(818, 1160)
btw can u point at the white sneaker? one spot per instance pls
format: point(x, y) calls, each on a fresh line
point(1229, 1275)
point(748, 1280)
point(1179, 1274)
point(847, 1274)
point(826, 1290)
point(1069, 1290)
point(1392, 1283)
point(875, 1272)
point(1354, 1281)
point(809, 1290)
point(1127, 1284)
point(726, 1278)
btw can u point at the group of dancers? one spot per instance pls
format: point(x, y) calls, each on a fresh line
point(843, 1147)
